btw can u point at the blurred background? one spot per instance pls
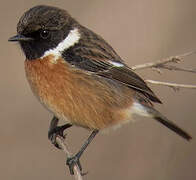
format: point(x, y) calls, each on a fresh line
point(140, 31)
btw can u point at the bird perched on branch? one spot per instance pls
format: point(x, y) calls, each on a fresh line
point(79, 77)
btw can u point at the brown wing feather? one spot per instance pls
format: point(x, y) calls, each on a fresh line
point(129, 78)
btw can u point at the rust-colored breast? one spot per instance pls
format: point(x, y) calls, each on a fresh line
point(80, 98)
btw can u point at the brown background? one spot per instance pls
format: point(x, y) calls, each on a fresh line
point(140, 31)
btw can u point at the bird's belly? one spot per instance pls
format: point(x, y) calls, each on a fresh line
point(75, 97)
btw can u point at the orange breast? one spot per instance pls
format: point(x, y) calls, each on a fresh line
point(78, 97)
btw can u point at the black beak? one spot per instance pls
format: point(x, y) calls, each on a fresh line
point(20, 38)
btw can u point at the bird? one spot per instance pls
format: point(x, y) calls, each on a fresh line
point(80, 78)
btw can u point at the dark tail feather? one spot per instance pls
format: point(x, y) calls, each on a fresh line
point(169, 124)
point(173, 127)
point(149, 111)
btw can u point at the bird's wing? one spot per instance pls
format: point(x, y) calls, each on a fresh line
point(97, 56)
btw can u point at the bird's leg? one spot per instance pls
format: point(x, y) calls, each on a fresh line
point(55, 131)
point(75, 160)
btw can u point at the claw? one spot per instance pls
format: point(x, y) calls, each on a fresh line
point(71, 162)
point(57, 131)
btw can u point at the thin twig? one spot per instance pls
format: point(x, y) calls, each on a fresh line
point(61, 143)
point(161, 63)
point(164, 65)
point(172, 85)
point(174, 68)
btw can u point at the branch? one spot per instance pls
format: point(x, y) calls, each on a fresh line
point(171, 85)
point(61, 143)
point(170, 67)
point(162, 63)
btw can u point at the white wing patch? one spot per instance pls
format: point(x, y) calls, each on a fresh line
point(72, 38)
point(117, 64)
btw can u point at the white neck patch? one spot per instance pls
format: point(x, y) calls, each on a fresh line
point(72, 38)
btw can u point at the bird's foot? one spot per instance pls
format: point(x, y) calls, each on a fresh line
point(74, 161)
point(71, 162)
point(56, 131)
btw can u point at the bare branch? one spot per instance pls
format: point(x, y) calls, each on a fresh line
point(172, 85)
point(61, 143)
point(170, 67)
point(160, 64)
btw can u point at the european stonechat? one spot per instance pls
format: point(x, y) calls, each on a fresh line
point(79, 77)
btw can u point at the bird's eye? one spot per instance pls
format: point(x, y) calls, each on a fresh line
point(44, 34)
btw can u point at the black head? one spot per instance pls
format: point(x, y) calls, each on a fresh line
point(42, 28)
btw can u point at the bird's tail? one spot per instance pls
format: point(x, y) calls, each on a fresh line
point(173, 127)
point(151, 112)
point(169, 124)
